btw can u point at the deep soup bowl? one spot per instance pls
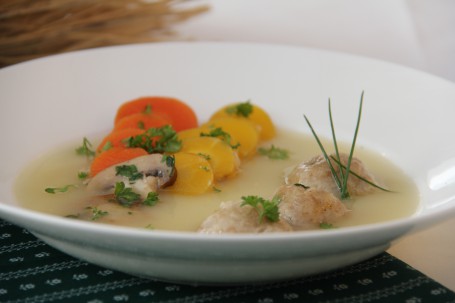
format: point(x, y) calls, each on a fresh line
point(407, 119)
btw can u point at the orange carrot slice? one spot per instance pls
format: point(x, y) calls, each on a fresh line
point(142, 121)
point(117, 138)
point(114, 156)
point(180, 115)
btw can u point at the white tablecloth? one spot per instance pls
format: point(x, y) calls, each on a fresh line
point(416, 33)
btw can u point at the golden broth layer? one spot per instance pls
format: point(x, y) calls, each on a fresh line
point(258, 176)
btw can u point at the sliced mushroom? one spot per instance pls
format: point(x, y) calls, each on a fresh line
point(156, 171)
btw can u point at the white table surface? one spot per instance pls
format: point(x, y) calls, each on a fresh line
point(415, 33)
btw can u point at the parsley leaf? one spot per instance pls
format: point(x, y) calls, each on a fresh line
point(82, 175)
point(275, 153)
point(205, 156)
point(125, 195)
point(148, 109)
point(170, 162)
point(156, 140)
point(97, 213)
point(63, 189)
point(152, 199)
point(141, 125)
point(242, 109)
point(324, 225)
point(216, 189)
point(85, 149)
point(265, 208)
point(107, 146)
point(129, 171)
point(204, 168)
point(218, 132)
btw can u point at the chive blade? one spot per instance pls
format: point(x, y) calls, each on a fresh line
point(363, 179)
point(326, 157)
point(335, 143)
point(354, 140)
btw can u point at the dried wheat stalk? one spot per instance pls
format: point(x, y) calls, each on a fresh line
point(30, 29)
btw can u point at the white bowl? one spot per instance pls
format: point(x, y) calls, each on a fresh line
point(45, 102)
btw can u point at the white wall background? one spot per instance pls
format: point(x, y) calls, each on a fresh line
point(416, 33)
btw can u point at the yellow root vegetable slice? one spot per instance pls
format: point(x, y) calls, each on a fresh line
point(194, 174)
point(241, 131)
point(258, 116)
point(223, 159)
point(190, 133)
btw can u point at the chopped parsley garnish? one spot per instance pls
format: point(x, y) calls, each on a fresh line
point(274, 152)
point(156, 140)
point(265, 208)
point(85, 149)
point(152, 199)
point(75, 216)
point(169, 159)
point(97, 213)
point(218, 132)
point(324, 225)
point(107, 146)
point(204, 168)
point(128, 171)
point(242, 109)
point(205, 156)
point(63, 189)
point(125, 195)
point(141, 125)
point(82, 175)
point(148, 109)
point(216, 189)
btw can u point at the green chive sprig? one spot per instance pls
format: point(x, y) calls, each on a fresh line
point(341, 178)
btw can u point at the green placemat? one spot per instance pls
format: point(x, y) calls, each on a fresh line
point(32, 271)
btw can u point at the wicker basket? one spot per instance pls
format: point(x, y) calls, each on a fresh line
point(31, 29)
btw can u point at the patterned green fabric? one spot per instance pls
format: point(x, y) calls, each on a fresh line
point(32, 271)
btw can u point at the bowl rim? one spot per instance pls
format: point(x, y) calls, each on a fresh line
point(417, 220)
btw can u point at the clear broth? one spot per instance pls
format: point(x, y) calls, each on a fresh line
point(258, 176)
